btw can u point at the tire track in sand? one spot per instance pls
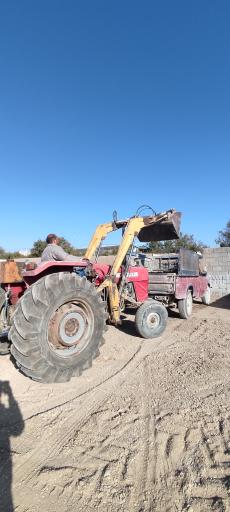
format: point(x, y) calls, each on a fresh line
point(52, 446)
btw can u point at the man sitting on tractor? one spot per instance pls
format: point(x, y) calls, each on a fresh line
point(54, 252)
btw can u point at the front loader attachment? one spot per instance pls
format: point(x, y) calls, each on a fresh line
point(166, 228)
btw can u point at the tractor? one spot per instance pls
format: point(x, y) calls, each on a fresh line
point(53, 315)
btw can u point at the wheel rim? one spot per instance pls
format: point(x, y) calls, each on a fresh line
point(70, 328)
point(189, 303)
point(152, 320)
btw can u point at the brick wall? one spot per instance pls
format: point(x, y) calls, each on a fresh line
point(218, 266)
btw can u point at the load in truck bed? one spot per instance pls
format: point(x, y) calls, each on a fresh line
point(184, 263)
point(172, 275)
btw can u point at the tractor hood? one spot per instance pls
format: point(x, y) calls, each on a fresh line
point(166, 228)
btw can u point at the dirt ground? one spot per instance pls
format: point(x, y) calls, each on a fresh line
point(145, 429)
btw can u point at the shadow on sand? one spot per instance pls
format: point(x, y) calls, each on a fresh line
point(223, 302)
point(11, 424)
point(128, 327)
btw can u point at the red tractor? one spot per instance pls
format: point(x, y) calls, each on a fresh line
point(54, 314)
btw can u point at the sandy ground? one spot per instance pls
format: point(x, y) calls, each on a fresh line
point(146, 429)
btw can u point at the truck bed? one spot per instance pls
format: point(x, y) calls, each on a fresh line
point(174, 286)
point(162, 283)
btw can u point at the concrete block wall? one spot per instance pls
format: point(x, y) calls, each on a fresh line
point(217, 261)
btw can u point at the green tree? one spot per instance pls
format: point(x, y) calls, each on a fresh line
point(67, 246)
point(12, 255)
point(224, 236)
point(2, 253)
point(186, 241)
point(8, 255)
point(39, 246)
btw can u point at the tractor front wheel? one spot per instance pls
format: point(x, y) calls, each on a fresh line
point(151, 319)
point(57, 328)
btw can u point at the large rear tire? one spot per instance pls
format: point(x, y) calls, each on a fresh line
point(151, 319)
point(185, 306)
point(57, 328)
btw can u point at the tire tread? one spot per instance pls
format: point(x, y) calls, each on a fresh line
point(25, 332)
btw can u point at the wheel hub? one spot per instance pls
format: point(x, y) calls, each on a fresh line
point(153, 320)
point(69, 327)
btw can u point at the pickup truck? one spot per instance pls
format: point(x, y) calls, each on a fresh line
point(176, 279)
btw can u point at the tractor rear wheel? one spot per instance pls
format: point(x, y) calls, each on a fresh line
point(57, 328)
point(151, 319)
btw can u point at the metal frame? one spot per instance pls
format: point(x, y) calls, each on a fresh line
point(132, 228)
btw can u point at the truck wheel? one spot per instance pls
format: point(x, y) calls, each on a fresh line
point(151, 319)
point(57, 328)
point(185, 306)
point(206, 299)
point(4, 343)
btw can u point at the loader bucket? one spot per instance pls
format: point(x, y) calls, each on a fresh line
point(166, 229)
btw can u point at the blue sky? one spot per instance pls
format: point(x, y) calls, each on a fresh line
point(108, 105)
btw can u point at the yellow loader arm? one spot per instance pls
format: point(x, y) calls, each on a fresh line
point(100, 233)
point(163, 226)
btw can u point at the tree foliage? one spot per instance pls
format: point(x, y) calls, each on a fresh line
point(224, 236)
point(186, 241)
point(39, 246)
point(70, 249)
point(8, 255)
point(2, 253)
